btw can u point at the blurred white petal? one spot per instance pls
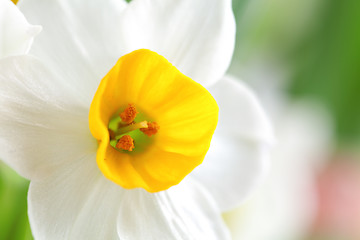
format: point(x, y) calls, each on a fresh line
point(237, 160)
point(16, 33)
point(283, 208)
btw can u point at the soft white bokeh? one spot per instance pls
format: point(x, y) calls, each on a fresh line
point(16, 33)
point(284, 207)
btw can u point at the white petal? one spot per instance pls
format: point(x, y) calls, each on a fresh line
point(42, 123)
point(241, 114)
point(16, 34)
point(185, 211)
point(196, 36)
point(80, 40)
point(76, 202)
point(238, 156)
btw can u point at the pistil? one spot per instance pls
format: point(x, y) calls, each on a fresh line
point(131, 127)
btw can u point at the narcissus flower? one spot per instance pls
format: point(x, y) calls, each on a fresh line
point(108, 120)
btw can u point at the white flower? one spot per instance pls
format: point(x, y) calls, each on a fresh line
point(45, 100)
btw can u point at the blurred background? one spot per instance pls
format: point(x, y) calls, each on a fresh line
point(301, 57)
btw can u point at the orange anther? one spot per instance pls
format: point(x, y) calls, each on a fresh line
point(152, 129)
point(129, 114)
point(125, 143)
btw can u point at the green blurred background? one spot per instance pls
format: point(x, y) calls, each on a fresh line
point(316, 41)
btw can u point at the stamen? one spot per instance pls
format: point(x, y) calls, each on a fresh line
point(152, 128)
point(131, 127)
point(125, 143)
point(129, 114)
point(118, 139)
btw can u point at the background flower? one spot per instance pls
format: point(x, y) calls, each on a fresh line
point(315, 45)
point(338, 215)
point(284, 207)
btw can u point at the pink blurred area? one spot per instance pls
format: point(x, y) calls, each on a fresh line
point(338, 215)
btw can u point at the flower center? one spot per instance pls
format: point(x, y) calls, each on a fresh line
point(152, 123)
point(125, 130)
